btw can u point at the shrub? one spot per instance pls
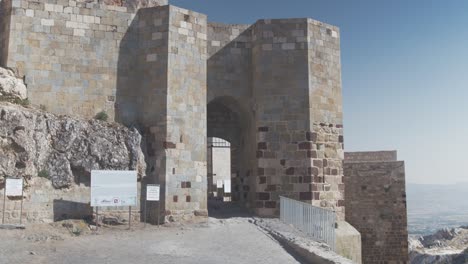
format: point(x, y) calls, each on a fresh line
point(23, 102)
point(103, 116)
point(76, 231)
point(43, 174)
point(14, 100)
point(43, 107)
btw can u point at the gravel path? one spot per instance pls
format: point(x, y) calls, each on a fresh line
point(233, 240)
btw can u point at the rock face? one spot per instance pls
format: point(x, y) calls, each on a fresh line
point(11, 87)
point(444, 246)
point(65, 150)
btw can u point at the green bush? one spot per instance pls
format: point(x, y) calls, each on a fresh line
point(103, 116)
point(23, 102)
point(43, 174)
point(43, 107)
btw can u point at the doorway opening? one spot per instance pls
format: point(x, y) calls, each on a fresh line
point(219, 169)
point(228, 182)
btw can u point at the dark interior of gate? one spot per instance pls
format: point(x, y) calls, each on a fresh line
point(227, 128)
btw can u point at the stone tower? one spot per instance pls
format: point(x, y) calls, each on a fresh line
point(273, 89)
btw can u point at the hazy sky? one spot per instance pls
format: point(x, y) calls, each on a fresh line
point(404, 71)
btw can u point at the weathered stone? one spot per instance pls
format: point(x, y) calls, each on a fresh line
point(63, 148)
point(373, 179)
point(180, 79)
point(262, 196)
point(305, 196)
point(135, 4)
point(11, 87)
point(203, 213)
point(290, 171)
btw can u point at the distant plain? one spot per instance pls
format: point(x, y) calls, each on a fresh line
point(433, 207)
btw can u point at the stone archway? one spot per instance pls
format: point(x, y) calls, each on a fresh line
point(227, 120)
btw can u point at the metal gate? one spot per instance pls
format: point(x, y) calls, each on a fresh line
point(219, 169)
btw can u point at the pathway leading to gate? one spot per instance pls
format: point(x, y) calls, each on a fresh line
point(233, 240)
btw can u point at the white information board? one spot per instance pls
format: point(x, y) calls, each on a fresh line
point(219, 184)
point(113, 188)
point(152, 192)
point(227, 186)
point(14, 187)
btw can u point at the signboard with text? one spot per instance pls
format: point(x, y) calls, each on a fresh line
point(152, 192)
point(14, 187)
point(113, 188)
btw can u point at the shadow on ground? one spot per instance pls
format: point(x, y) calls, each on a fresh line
point(223, 210)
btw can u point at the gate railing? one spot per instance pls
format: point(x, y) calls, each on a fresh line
point(316, 222)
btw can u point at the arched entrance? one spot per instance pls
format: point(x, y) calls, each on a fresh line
point(229, 156)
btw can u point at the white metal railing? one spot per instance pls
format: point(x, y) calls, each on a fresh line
point(319, 223)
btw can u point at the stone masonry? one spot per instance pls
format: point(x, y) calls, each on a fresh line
point(55, 156)
point(375, 200)
point(166, 70)
point(68, 52)
point(297, 88)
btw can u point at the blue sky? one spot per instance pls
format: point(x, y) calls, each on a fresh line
point(404, 72)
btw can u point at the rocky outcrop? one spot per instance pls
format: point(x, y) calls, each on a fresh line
point(444, 246)
point(11, 87)
point(35, 143)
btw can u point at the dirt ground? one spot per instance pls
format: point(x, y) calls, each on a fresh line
point(216, 240)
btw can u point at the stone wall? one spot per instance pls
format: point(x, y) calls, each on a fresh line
point(68, 52)
point(230, 61)
point(297, 148)
point(55, 156)
point(186, 139)
point(5, 17)
point(44, 204)
point(133, 4)
point(230, 94)
point(375, 199)
point(252, 65)
point(168, 93)
point(296, 81)
point(326, 114)
point(74, 72)
point(142, 92)
point(371, 156)
point(157, 69)
point(280, 61)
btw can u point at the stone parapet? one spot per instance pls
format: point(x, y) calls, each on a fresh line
point(368, 156)
point(375, 200)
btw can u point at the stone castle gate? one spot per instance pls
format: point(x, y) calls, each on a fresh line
point(273, 89)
